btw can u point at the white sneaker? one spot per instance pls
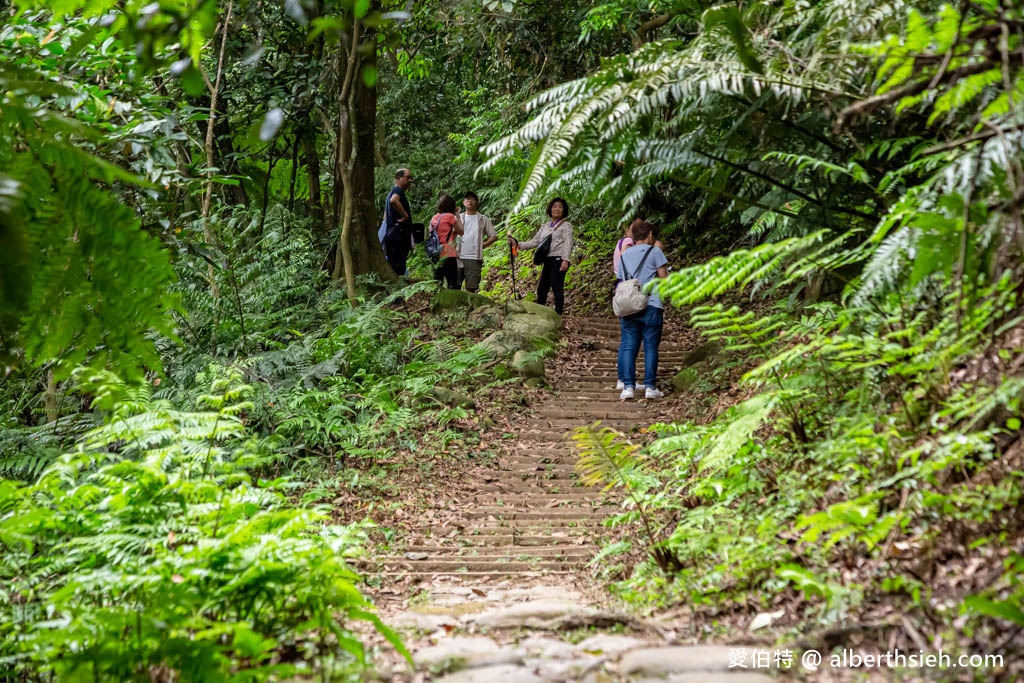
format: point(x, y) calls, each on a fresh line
point(653, 393)
point(619, 386)
point(626, 394)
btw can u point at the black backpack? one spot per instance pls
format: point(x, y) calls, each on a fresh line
point(433, 244)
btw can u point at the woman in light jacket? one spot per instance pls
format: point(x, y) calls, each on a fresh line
point(552, 277)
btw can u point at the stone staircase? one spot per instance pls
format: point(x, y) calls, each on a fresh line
point(530, 517)
point(502, 592)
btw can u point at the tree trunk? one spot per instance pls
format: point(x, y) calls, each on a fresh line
point(271, 163)
point(227, 158)
point(294, 171)
point(359, 252)
point(214, 89)
point(307, 138)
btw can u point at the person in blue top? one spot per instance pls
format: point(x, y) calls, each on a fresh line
point(398, 239)
point(645, 262)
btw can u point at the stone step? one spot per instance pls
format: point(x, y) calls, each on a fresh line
point(628, 410)
point(579, 527)
point(582, 525)
point(532, 486)
point(545, 501)
point(561, 473)
point(554, 484)
point(611, 370)
point(517, 464)
point(503, 551)
point(603, 345)
point(546, 516)
point(535, 472)
point(546, 436)
point(569, 424)
point(566, 458)
point(539, 448)
point(472, 577)
point(463, 565)
point(578, 539)
point(650, 409)
point(598, 396)
point(606, 381)
point(666, 366)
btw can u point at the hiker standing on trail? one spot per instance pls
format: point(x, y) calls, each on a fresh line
point(447, 224)
point(624, 243)
point(553, 243)
point(398, 217)
point(645, 262)
point(478, 234)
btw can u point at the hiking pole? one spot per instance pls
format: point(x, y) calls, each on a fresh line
point(513, 249)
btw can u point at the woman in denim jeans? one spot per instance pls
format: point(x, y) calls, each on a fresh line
point(644, 261)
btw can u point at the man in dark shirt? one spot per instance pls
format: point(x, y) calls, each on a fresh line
point(398, 216)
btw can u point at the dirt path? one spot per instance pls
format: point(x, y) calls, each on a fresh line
point(511, 564)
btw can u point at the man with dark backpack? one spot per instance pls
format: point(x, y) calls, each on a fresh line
point(398, 240)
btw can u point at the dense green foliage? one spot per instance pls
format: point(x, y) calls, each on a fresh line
point(177, 364)
point(150, 548)
point(879, 438)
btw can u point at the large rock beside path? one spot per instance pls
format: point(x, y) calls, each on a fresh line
point(455, 299)
point(503, 343)
point(487, 316)
point(532, 326)
point(527, 365)
point(533, 308)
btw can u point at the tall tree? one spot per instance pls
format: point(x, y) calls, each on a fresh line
point(354, 214)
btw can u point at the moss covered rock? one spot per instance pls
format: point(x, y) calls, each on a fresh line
point(532, 308)
point(487, 316)
point(532, 326)
point(457, 299)
point(527, 364)
point(453, 398)
point(504, 343)
point(686, 378)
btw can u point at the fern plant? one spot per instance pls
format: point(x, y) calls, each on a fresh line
point(606, 459)
point(150, 547)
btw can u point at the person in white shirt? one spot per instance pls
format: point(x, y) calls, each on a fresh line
point(478, 234)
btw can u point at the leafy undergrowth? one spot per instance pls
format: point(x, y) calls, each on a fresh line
point(200, 523)
point(152, 551)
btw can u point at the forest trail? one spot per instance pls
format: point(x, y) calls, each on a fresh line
point(512, 561)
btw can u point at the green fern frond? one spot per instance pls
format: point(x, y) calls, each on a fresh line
point(605, 459)
point(735, 270)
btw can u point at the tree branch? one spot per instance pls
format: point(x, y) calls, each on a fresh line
point(650, 26)
point(782, 186)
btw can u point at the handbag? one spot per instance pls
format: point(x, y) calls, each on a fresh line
point(544, 248)
point(542, 251)
point(629, 295)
